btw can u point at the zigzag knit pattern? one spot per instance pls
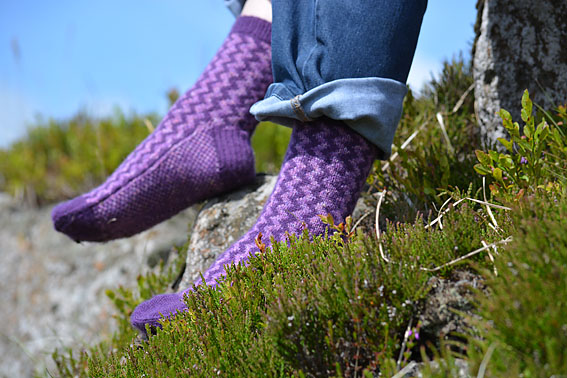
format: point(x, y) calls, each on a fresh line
point(325, 167)
point(199, 150)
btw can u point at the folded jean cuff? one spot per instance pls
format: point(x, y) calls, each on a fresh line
point(371, 106)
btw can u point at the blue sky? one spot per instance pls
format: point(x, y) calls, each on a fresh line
point(60, 56)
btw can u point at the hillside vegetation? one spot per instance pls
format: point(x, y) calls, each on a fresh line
point(347, 304)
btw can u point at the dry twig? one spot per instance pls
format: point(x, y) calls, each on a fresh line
point(404, 145)
point(490, 256)
point(462, 99)
point(496, 226)
point(488, 204)
point(377, 225)
point(404, 343)
point(470, 254)
point(360, 220)
point(485, 359)
point(441, 123)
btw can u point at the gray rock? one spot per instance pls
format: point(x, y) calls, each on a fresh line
point(222, 222)
point(53, 289)
point(520, 44)
point(364, 215)
point(225, 219)
point(446, 303)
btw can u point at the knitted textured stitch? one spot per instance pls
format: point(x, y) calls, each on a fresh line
point(324, 169)
point(199, 150)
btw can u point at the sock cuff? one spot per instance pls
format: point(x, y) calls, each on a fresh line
point(253, 26)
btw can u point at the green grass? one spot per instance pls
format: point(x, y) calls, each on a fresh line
point(270, 143)
point(340, 305)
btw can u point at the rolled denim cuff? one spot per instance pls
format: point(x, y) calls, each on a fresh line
point(235, 6)
point(372, 106)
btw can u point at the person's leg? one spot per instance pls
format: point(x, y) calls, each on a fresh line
point(323, 172)
point(199, 150)
point(327, 160)
point(258, 8)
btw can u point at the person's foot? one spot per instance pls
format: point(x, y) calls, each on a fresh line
point(199, 150)
point(323, 172)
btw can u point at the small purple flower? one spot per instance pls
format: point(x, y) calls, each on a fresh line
point(411, 332)
point(523, 160)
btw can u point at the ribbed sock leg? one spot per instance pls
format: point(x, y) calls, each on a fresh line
point(323, 172)
point(199, 150)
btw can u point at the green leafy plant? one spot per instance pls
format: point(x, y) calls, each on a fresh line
point(311, 306)
point(536, 154)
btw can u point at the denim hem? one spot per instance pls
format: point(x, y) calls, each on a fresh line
point(371, 106)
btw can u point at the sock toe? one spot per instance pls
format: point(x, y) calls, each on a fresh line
point(76, 219)
point(159, 307)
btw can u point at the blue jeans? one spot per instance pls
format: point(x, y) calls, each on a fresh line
point(347, 60)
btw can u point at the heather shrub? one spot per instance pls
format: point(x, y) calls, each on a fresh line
point(347, 304)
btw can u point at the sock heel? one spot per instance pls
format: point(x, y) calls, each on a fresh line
point(237, 164)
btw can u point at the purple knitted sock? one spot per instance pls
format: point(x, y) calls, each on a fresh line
point(199, 150)
point(324, 170)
